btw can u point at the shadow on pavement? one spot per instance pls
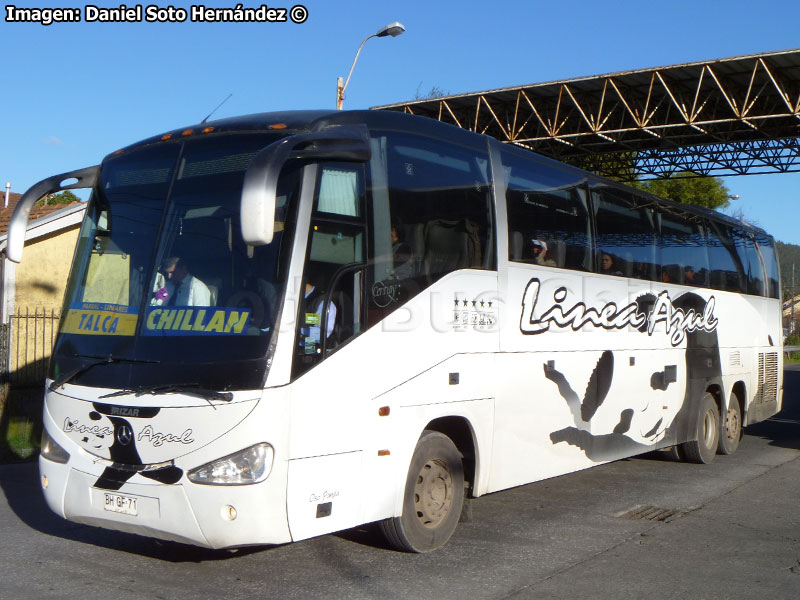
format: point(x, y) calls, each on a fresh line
point(20, 485)
point(783, 430)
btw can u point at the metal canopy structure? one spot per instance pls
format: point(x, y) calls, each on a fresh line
point(733, 116)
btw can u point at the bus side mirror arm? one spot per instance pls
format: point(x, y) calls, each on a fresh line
point(259, 193)
point(19, 219)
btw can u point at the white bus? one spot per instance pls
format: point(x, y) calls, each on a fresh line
point(289, 324)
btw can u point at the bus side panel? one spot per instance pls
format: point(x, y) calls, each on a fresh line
point(597, 368)
point(547, 424)
point(751, 353)
point(324, 494)
point(424, 399)
point(432, 358)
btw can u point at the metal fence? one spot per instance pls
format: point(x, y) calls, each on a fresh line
point(32, 335)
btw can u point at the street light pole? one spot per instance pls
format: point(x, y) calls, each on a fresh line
point(393, 29)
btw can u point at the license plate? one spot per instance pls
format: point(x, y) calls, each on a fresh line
point(119, 503)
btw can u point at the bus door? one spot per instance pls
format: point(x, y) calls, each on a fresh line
point(324, 486)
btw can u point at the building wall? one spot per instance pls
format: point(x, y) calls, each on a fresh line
point(42, 275)
point(41, 279)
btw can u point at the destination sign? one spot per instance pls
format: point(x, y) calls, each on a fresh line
point(100, 319)
point(186, 320)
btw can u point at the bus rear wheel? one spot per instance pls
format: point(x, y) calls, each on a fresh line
point(731, 431)
point(433, 497)
point(703, 449)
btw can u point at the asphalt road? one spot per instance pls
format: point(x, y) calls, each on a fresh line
point(734, 532)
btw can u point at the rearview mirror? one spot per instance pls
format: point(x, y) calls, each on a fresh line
point(19, 219)
point(343, 143)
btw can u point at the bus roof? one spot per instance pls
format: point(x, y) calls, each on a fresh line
point(299, 121)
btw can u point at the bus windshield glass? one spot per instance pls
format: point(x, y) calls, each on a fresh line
point(162, 279)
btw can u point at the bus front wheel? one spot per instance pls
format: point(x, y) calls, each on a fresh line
point(433, 497)
point(703, 449)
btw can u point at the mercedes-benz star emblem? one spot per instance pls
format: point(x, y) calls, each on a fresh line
point(124, 435)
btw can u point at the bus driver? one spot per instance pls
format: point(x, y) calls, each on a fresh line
point(178, 287)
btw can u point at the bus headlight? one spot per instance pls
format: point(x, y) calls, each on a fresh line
point(250, 465)
point(52, 451)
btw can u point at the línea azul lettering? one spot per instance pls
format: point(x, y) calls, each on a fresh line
point(677, 321)
point(74, 425)
point(608, 317)
point(156, 438)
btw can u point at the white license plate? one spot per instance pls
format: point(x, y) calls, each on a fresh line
point(119, 503)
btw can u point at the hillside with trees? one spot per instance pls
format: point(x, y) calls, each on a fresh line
point(789, 255)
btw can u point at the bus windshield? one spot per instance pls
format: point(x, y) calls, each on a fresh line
point(162, 280)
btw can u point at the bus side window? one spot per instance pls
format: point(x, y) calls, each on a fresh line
point(751, 262)
point(338, 191)
point(626, 232)
point(766, 248)
point(727, 272)
point(431, 215)
point(548, 220)
point(682, 251)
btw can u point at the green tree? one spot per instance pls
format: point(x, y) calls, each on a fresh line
point(65, 197)
point(684, 187)
point(689, 189)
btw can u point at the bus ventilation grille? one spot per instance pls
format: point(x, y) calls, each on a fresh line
point(767, 377)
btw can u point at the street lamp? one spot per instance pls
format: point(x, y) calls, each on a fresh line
point(393, 29)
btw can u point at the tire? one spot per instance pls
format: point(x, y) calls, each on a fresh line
point(433, 497)
point(703, 448)
point(676, 453)
point(731, 430)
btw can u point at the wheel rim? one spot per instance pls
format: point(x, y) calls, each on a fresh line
point(709, 429)
point(733, 424)
point(433, 493)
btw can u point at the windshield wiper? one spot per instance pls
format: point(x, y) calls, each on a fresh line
point(99, 360)
point(190, 389)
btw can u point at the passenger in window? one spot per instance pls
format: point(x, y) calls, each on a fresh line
point(608, 265)
point(176, 286)
point(402, 257)
point(690, 276)
point(540, 254)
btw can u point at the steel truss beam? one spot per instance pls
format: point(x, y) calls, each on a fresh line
point(733, 116)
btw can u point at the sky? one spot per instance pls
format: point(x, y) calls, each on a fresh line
point(75, 92)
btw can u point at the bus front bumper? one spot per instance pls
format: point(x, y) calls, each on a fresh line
point(201, 515)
